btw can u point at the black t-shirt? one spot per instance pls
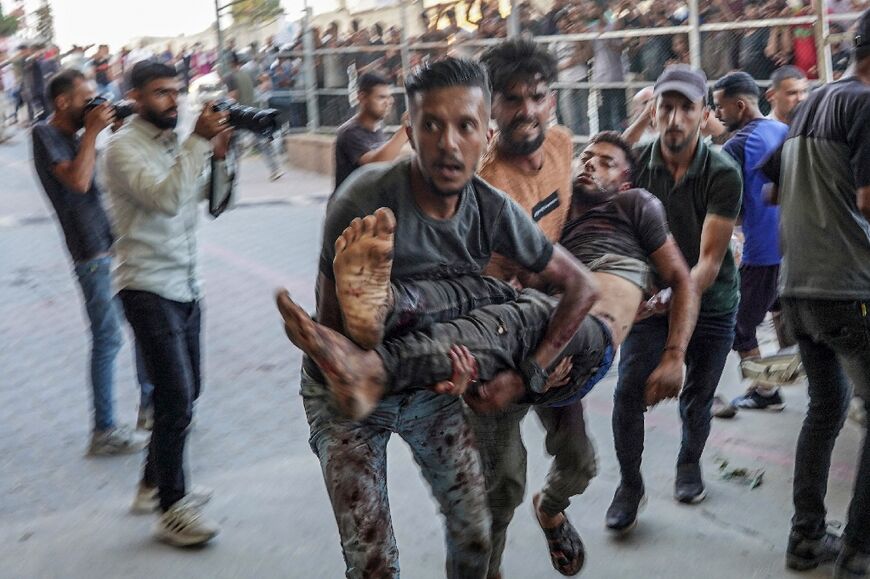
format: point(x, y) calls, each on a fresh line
point(486, 221)
point(632, 224)
point(82, 217)
point(352, 142)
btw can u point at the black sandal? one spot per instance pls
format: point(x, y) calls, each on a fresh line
point(566, 548)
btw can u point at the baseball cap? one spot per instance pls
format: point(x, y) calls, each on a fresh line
point(682, 78)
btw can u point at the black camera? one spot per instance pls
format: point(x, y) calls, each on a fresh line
point(123, 109)
point(260, 121)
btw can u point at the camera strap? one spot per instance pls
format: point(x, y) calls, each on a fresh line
point(218, 201)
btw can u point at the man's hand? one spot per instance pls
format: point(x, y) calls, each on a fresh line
point(666, 381)
point(210, 123)
point(464, 372)
point(559, 375)
point(221, 143)
point(656, 305)
point(506, 387)
point(99, 118)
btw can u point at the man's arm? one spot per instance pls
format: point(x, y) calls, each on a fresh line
point(639, 125)
point(579, 293)
point(715, 237)
point(864, 201)
point(390, 150)
point(78, 174)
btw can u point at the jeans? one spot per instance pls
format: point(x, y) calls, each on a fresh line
point(834, 341)
point(353, 457)
point(169, 335)
point(504, 463)
point(95, 279)
point(641, 353)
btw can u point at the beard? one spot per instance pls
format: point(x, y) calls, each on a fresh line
point(161, 121)
point(445, 193)
point(677, 147)
point(521, 148)
point(592, 194)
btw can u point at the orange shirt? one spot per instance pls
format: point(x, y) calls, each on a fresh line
point(545, 194)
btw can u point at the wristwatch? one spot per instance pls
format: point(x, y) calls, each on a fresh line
point(534, 377)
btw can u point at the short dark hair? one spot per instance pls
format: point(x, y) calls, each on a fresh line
point(737, 84)
point(63, 82)
point(235, 59)
point(615, 138)
point(785, 73)
point(145, 71)
point(369, 80)
point(445, 73)
point(520, 59)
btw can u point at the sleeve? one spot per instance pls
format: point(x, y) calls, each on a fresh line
point(54, 152)
point(339, 213)
point(354, 144)
point(735, 147)
point(650, 222)
point(157, 191)
point(725, 193)
point(520, 239)
point(859, 144)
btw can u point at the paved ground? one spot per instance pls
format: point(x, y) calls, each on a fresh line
point(64, 516)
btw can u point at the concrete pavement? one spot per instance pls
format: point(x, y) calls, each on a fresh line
point(64, 516)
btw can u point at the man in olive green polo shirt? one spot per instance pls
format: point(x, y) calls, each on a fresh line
point(701, 190)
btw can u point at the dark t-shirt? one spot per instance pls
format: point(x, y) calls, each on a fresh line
point(712, 186)
point(352, 142)
point(82, 217)
point(825, 160)
point(486, 221)
point(632, 224)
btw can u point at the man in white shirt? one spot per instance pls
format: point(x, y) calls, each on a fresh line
point(156, 185)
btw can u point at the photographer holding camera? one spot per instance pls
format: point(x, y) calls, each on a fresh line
point(65, 164)
point(156, 184)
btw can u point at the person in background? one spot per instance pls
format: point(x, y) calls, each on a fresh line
point(788, 89)
point(361, 140)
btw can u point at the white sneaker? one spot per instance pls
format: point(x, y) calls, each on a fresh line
point(184, 526)
point(146, 500)
point(115, 441)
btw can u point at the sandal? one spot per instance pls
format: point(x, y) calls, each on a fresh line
point(566, 548)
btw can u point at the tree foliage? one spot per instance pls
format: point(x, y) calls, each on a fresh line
point(8, 24)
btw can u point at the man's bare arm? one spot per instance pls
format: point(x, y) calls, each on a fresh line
point(864, 201)
point(715, 237)
point(579, 293)
point(674, 272)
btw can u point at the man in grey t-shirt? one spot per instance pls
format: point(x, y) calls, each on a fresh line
point(825, 288)
point(448, 222)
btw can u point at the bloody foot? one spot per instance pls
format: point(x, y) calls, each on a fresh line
point(355, 377)
point(362, 265)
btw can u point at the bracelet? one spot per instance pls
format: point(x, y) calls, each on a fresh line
point(677, 348)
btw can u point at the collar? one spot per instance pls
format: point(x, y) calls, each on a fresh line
point(657, 161)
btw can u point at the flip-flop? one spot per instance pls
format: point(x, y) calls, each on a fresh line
point(566, 548)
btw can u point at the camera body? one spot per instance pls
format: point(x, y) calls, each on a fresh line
point(263, 122)
point(123, 109)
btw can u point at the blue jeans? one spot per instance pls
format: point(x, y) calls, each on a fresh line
point(353, 457)
point(641, 353)
point(834, 341)
point(95, 279)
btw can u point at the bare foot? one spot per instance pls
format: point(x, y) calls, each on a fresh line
point(355, 377)
point(362, 265)
point(546, 521)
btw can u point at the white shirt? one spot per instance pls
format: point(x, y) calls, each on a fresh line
point(155, 187)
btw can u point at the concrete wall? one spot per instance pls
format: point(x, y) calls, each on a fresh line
point(311, 152)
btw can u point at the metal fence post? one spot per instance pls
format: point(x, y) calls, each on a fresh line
point(310, 73)
point(403, 38)
point(513, 24)
point(694, 34)
point(824, 65)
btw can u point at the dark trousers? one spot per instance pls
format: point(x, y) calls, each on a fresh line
point(641, 353)
point(758, 295)
point(168, 333)
point(834, 341)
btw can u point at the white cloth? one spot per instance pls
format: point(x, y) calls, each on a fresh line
point(155, 187)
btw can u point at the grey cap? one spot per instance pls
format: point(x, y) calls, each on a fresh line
point(862, 32)
point(682, 78)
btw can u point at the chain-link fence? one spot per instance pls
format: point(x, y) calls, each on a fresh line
point(607, 51)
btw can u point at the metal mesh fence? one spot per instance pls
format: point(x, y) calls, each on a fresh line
point(606, 51)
